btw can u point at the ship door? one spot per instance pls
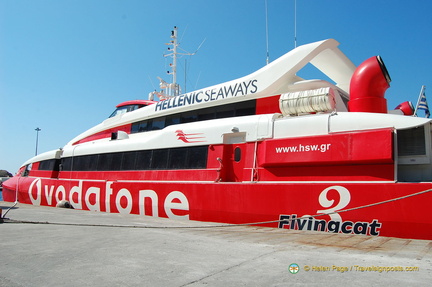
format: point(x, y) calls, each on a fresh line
point(233, 157)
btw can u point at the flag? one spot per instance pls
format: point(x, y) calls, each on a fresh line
point(422, 103)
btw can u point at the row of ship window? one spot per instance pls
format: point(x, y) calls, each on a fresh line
point(225, 111)
point(157, 159)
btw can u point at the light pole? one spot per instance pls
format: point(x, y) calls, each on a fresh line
point(37, 138)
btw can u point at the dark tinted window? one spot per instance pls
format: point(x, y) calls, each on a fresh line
point(66, 163)
point(189, 117)
point(135, 128)
point(225, 114)
point(143, 159)
point(159, 159)
point(197, 157)
point(172, 120)
point(88, 162)
point(143, 126)
point(158, 124)
point(50, 164)
point(129, 159)
point(219, 112)
point(207, 114)
point(105, 161)
point(177, 158)
point(246, 109)
point(170, 158)
point(116, 161)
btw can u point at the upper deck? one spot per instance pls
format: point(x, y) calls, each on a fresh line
point(262, 86)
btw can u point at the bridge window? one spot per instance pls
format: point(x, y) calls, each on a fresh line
point(125, 109)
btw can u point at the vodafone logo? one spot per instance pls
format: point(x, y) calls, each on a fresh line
point(101, 196)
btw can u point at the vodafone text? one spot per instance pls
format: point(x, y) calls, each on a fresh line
point(100, 196)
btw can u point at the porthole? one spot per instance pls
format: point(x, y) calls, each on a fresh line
point(237, 154)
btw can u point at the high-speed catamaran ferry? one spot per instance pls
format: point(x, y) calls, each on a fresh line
point(269, 148)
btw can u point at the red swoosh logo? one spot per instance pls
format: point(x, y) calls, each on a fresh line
point(189, 138)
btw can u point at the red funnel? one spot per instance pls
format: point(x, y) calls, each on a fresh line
point(368, 85)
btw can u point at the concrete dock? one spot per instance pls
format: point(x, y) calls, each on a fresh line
point(45, 246)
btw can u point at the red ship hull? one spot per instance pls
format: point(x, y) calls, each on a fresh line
point(398, 209)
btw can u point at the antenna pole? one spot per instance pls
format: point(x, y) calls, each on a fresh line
point(267, 41)
point(174, 65)
point(185, 76)
point(295, 23)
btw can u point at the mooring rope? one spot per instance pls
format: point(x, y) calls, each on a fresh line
point(16, 202)
point(7, 220)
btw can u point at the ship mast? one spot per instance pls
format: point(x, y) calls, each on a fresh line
point(174, 88)
point(169, 90)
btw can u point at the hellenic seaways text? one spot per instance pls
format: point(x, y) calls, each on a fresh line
point(218, 93)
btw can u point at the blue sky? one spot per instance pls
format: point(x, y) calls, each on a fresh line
point(64, 65)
